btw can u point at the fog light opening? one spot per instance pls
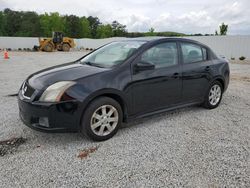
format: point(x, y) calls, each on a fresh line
point(44, 121)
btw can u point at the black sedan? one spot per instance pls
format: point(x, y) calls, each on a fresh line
point(122, 81)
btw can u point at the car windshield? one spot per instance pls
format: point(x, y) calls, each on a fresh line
point(112, 54)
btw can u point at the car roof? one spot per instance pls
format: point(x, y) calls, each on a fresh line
point(153, 39)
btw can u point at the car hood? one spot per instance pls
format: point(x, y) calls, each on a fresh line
point(65, 72)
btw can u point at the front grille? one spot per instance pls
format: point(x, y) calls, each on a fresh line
point(27, 90)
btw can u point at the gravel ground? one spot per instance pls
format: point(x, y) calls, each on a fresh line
point(190, 147)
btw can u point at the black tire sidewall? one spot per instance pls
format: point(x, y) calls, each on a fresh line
point(207, 104)
point(86, 118)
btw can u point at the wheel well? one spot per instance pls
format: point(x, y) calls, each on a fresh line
point(222, 82)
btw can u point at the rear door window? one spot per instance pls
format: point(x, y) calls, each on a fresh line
point(191, 53)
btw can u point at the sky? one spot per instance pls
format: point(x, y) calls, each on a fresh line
point(192, 16)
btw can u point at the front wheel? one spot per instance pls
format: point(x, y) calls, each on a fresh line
point(102, 119)
point(214, 95)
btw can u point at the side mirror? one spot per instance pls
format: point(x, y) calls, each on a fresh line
point(142, 66)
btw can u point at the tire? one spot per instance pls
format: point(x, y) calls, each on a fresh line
point(99, 124)
point(48, 47)
point(65, 47)
point(213, 96)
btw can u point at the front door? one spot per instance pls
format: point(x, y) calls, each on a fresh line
point(159, 87)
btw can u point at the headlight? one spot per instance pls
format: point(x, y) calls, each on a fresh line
point(54, 92)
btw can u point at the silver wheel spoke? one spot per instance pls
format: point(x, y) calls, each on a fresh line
point(113, 119)
point(111, 111)
point(109, 127)
point(95, 125)
point(97, 116)
point(101, 130)
point(104, 112)
point(210, 97)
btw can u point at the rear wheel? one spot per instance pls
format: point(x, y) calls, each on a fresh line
point(65, 47)
point(48, 47)
point(214, 95)
point(102, 119)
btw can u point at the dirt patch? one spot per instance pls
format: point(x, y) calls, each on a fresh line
point(84, 153)
point(10, 145)
point(240, 78)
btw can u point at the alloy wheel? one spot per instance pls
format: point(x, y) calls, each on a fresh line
point(104, 120)
point(214, 95)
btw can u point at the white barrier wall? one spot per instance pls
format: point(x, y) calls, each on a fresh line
point(18, 42)
point(95, 43)
point(228, 46)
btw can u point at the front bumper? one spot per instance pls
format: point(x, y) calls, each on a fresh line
point(59, 117)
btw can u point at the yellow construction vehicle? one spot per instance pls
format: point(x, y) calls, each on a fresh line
point(57, 42)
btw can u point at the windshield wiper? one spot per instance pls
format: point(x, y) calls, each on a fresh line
point(93, 64)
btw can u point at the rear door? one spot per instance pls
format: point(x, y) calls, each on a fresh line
point(196, 71)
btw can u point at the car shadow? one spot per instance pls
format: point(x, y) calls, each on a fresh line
point(63, 139)
point(161, 116)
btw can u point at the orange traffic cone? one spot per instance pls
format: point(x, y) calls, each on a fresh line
point(6, 55)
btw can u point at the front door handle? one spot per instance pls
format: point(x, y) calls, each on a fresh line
point(207, 68)
point(175, 75)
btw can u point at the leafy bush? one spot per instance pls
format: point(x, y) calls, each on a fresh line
point(242, 58)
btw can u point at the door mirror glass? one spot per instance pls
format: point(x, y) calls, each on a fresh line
point(143, 65)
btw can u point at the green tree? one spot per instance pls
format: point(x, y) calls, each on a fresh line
point(56, 22)
point(30, 25)
point(104, 31)
point(85, 28)
point(12, 22)
point(51, 22)
point(93, 23)
point(2, 24)
point(72, 26)
point(223, 29)
point(45, 25)
point(26, 23)
point(118, 29)
point(151, 32)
